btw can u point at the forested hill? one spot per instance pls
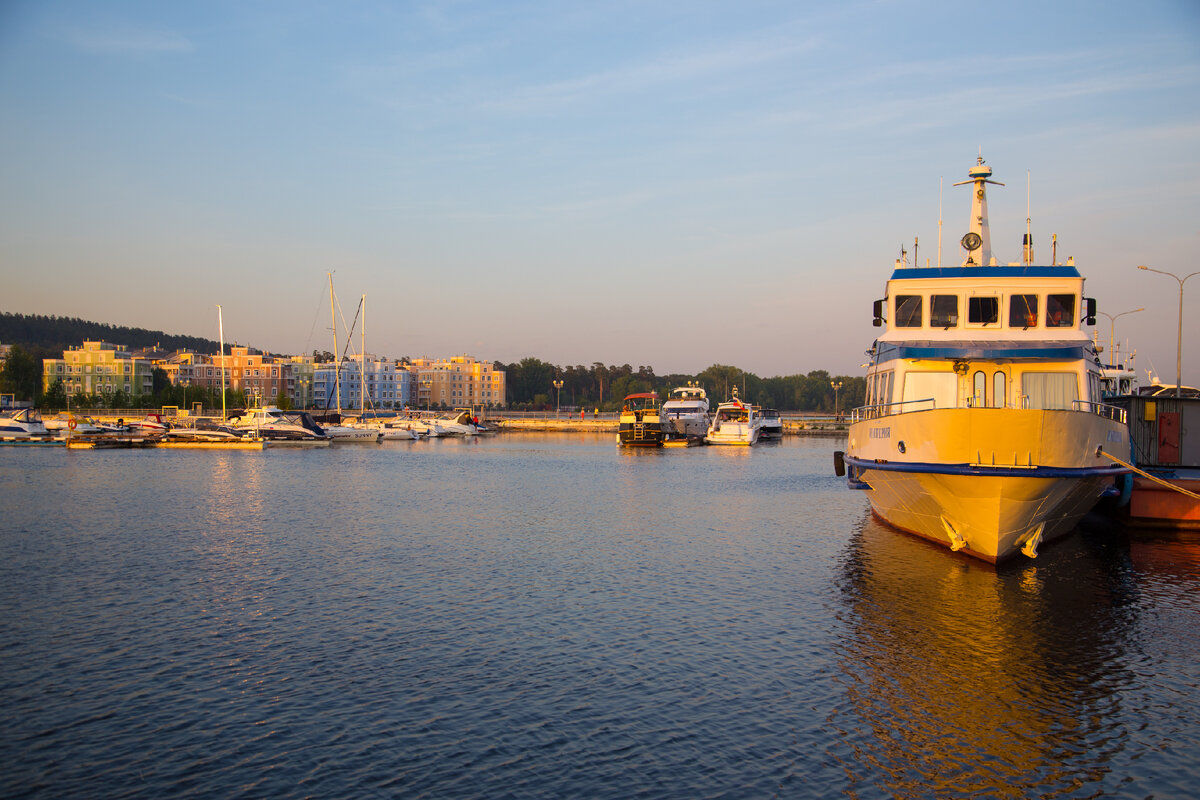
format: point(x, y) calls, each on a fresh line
point(54, 334)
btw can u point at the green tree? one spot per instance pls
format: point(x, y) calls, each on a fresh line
point(55, 397)
point(22, 375)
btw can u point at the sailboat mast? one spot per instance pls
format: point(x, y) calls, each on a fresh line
point(337, 371)
point(221, 333)
point(362, 360)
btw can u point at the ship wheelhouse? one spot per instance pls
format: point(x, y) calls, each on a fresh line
point(983, 337)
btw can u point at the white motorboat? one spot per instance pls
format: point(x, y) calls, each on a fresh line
point(270, 422)
point(735, 423)
point(205, 429)
point(771, 428)
point(22, 423)
point(460, 422)
point(382, 428)
point(685, 415)
point(60, 425)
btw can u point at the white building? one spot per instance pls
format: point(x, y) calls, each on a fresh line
point(387, 385)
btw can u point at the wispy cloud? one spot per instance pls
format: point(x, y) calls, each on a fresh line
point(129, 41)
point(653, 73)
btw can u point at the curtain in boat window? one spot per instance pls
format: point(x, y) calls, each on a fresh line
point(1050, 390)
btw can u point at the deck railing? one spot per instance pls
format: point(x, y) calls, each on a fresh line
point(1102, 409)
point(887, 409)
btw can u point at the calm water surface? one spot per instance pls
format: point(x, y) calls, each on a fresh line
point(549, 616)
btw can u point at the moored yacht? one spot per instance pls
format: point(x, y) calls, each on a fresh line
point(771, 428)
point(984, 428)
point(23, 423)
point(270, 422)
point(735, 423)
point(685, 415)
point(640, 423)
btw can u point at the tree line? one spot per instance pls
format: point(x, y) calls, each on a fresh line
point(531, 385)
point(49, 336)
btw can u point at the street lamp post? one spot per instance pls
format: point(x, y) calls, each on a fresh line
point(1112, 327)
point(1179, 344)
point(836, 385)
point(558, 389)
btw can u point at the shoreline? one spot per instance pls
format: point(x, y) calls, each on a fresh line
point(611, 426)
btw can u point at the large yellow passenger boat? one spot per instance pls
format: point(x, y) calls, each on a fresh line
point(983, 428)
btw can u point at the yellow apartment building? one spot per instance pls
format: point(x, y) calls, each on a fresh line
point(457, 382)
point(99, 368)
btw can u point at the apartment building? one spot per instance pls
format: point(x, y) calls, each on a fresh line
point(460, 381)
point(99, 368)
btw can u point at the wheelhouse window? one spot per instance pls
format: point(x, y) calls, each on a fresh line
point(908, 310)
point(943, 311)
point(1060, 311)
point(1023, 311)
point(983, 310)
point(1050, 390)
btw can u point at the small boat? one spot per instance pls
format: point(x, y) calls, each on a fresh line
point(640, 423)
point(685, 416)
point(150, 425)
point(735, 423)
point(61, 425)
point(772, 425)
point(343, 434)
point(22, 423)
point(205, 429)
point(461, 422)
point(270, 422)
point(985, 428)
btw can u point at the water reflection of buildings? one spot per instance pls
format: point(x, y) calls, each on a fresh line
point(964, 680)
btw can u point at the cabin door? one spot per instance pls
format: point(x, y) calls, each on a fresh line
point(1168, 437)
point(985, 387)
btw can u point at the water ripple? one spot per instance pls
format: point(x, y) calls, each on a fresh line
point(532, 616)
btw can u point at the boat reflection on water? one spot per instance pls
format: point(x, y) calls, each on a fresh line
point(961, 680)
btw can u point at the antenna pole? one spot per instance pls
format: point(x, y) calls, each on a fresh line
point(941, 182)
point(1028, 245)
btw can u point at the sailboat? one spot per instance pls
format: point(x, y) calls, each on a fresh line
point(336, 431)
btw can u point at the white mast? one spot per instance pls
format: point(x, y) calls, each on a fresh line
point(337, 370)
point(221, 333)
point(979, 237)
point(362, 361)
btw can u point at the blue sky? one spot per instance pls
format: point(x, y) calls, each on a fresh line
point(668, 184)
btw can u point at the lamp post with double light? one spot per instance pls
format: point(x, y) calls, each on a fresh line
point(558, 398)
point(836, 385)
point(1179, 344)
point(1112, 327)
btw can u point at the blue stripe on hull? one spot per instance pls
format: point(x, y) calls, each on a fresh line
point(861, 464)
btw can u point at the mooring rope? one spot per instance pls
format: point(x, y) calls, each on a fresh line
point(1145, 474)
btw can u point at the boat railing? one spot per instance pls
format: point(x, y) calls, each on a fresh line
point(886, 409)
point(1102, 409)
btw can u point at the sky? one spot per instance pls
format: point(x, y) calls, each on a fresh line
point(668, 184)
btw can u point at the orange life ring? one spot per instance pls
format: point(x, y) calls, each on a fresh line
point(71, 423)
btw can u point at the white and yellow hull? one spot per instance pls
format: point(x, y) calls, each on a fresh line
point(987, 482)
